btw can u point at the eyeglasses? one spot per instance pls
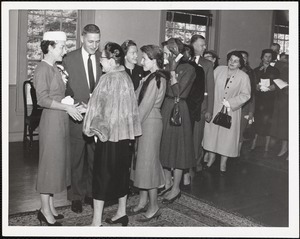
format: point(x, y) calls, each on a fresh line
point(234, 61)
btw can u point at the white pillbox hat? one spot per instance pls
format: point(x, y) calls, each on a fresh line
point(55, 36)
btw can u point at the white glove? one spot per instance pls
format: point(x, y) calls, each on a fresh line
point(264, 88)
point(96, 139)
point(226, 104)
point(68, 100)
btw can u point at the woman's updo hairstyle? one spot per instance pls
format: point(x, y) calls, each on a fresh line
point(237, 54)
point(154, 52)
point(115, 51)
point(265, 51)
point(126, 44)
point(174, 42)
point(45, 46)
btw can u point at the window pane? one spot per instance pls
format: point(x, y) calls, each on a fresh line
point(287, 47)
point(69, 13)
point(41, 12)
point(52, 23)
point(169, 24)
point(286, 37)
point(179, 25)
point(179, 34)
point(35, 25)
point(201, 28)
point(31, 68)
point(53, 13)
point(281, 36)
point(191, 26)
point(69, 27)
point(70, 45)
point(34, 51)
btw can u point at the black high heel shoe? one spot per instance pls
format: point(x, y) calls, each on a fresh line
point(59, 216)
point(123, 220)
point(42, 218)
point(168, 201)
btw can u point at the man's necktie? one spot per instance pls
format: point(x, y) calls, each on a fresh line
point(91, 74)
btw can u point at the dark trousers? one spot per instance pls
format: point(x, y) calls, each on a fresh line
point(82, 159)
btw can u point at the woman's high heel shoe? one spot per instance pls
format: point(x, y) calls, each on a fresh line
point(163, 192)
point(42, 218)
point(59, 216)
point(147, 219)
point(131, 211)
point(124, 220)
point(168, 201)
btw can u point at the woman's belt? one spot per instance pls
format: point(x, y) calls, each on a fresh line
point(176, 99)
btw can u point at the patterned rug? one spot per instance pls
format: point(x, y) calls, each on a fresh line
point(184, 212)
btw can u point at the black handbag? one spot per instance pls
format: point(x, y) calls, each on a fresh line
point(222, 118)
point(175, 118)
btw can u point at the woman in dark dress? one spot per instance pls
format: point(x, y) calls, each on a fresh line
point(280, 129)
point(112, 117)
point(264, 98)
point(135, 71)
point(177, 148)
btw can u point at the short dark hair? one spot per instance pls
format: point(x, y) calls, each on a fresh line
point(90, 28)
point(154, 52)
point(275, 44)
point(187, 49)
point(196, 37)
point(282, 54)
point(45, 46)
point(115, 51)
point(171, 41)
point(237, 54)
point(265, 51)
point(126, 44)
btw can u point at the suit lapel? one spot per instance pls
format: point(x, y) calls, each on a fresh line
point(98, 68)
point(81, 69)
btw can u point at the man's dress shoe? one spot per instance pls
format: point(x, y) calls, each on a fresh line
point(76, 206)
point(89, 201)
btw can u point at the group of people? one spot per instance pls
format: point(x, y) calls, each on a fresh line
point(107, 120)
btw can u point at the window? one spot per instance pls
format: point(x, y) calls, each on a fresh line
point(40, 21)
point(281, 36)
point(281, 30)
point(185, 24)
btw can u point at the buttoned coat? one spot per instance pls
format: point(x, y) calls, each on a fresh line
point(218, 139)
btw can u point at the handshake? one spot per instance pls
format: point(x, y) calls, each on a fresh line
point(68, 100)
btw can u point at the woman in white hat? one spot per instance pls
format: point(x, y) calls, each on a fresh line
point(54, 167)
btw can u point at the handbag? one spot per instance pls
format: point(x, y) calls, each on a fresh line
point(222, 118)
point(175, 118)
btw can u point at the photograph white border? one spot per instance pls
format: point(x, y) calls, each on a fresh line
point(291, 231)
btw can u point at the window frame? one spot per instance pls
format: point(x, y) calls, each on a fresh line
point(284, 40)
point(22, 61)
point(193, 13)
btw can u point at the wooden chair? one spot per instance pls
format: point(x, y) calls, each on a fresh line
point(31, 122)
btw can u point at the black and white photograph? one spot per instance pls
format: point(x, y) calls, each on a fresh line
point(150, 119)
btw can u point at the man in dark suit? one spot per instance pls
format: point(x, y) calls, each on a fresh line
point(199, 45)
point(83, 67)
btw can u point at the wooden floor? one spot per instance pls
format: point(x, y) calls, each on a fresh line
point(253, 187)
